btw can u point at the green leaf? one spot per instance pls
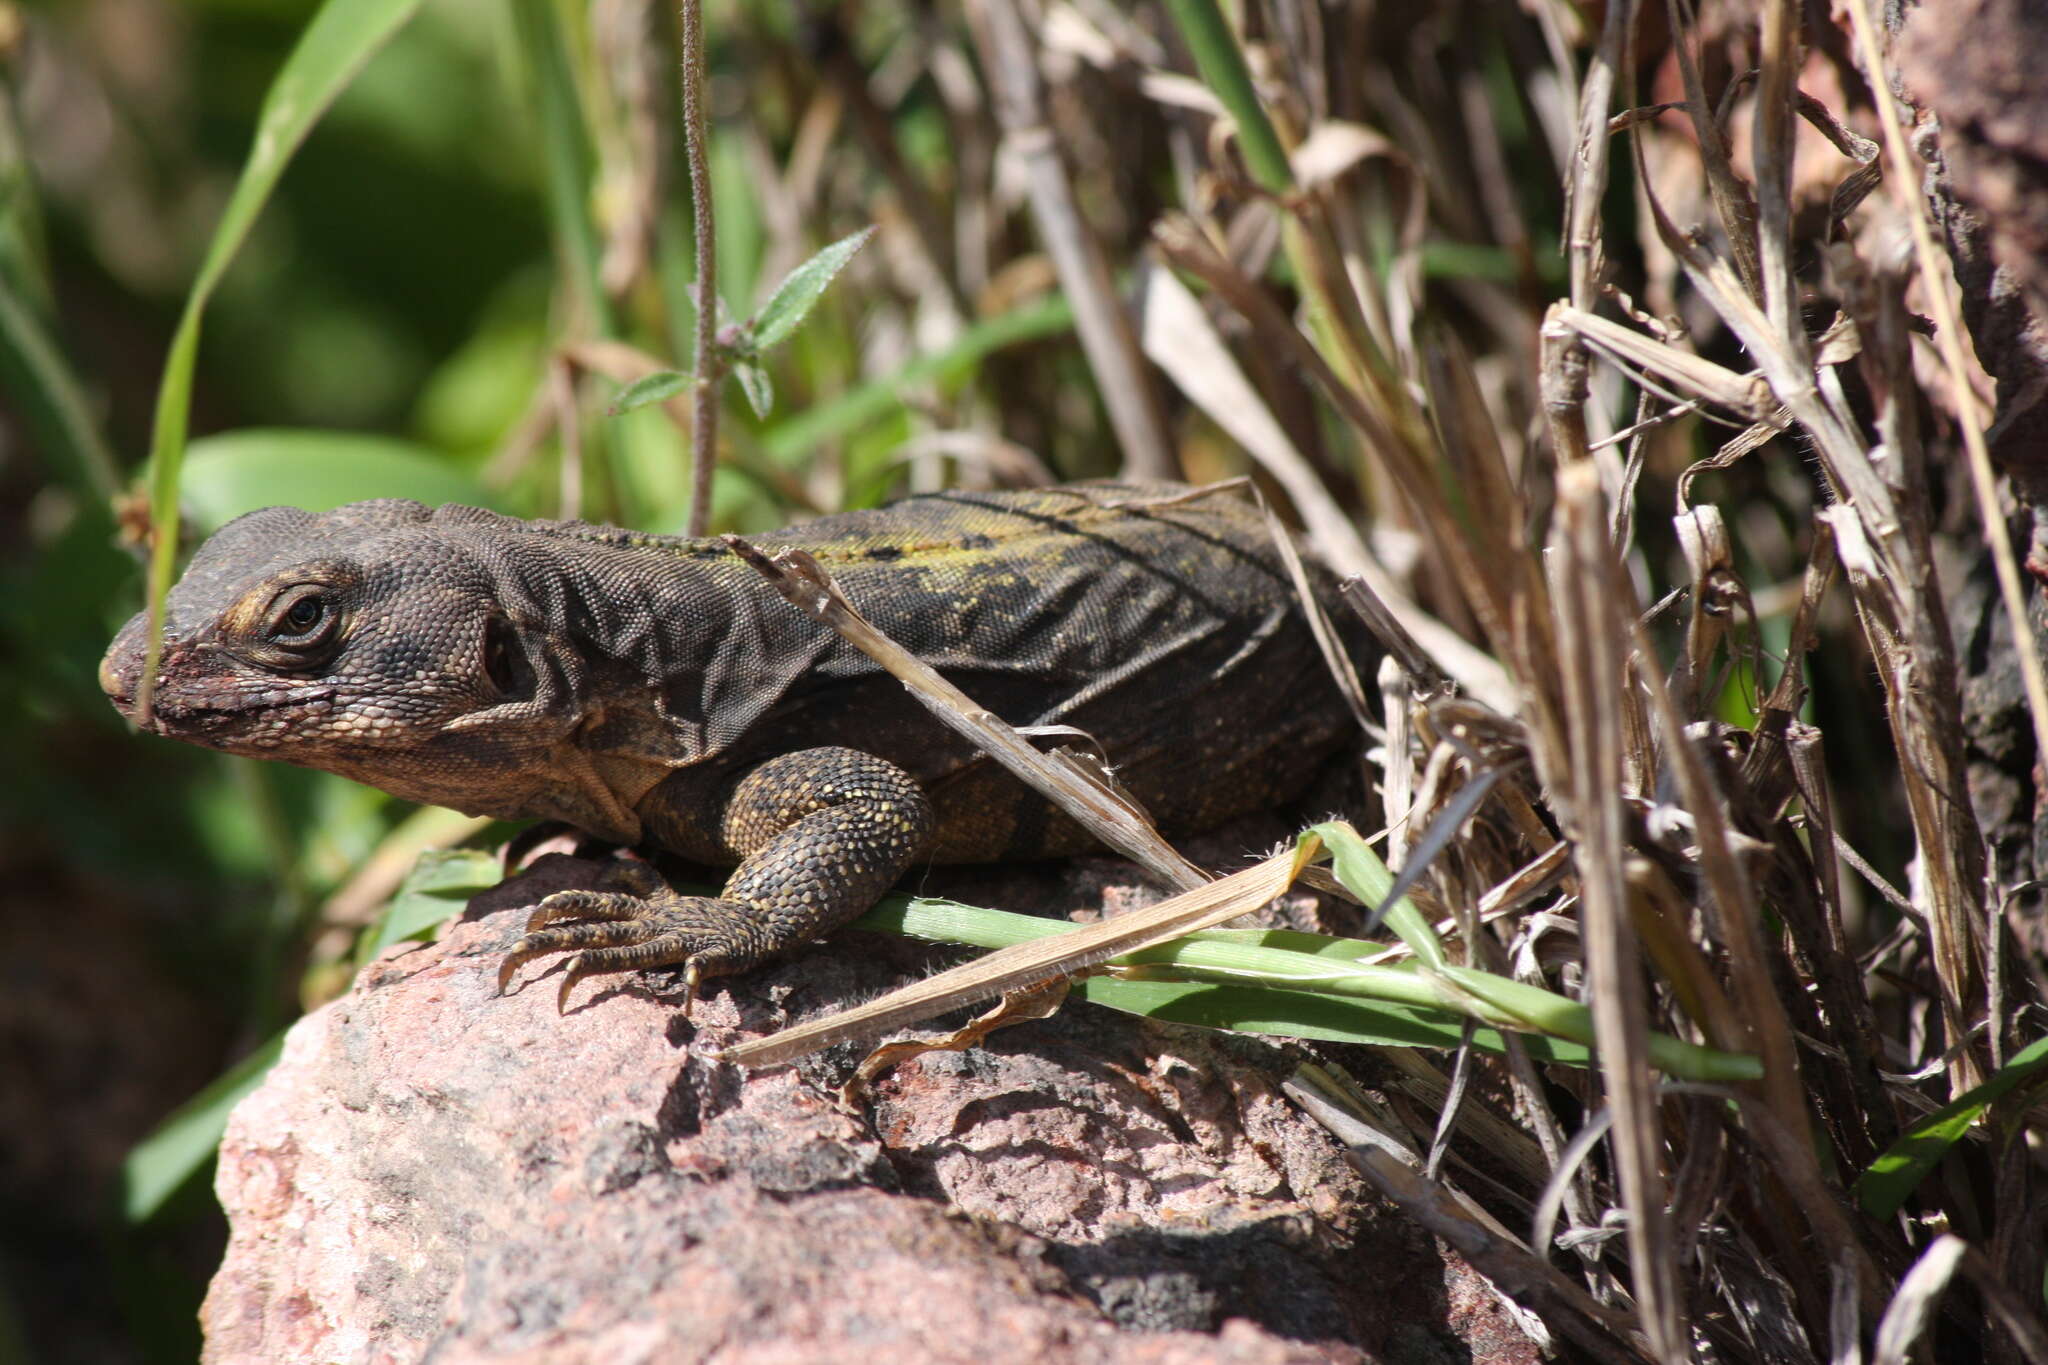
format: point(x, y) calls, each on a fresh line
point(1410, 1002)
point(183, 1143)
point(438, 887)
point(342, 38)
point(240, 471)
point(658, 387)
point(1366, 877)
point(1307, 1014)
point(794, 298)
point(758, 387)
point(1884, 1188)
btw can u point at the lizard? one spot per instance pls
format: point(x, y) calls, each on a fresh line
point(655, 691)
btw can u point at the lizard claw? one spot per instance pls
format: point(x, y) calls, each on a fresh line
point(600, 909)
point(571, 974)
point(590, 905)
point(596, 962)
point(615, 932)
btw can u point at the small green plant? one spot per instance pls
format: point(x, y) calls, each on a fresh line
point(740, 346)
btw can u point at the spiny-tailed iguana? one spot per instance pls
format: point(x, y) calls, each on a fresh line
point(656, 691)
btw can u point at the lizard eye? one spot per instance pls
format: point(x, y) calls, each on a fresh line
point(301, 618)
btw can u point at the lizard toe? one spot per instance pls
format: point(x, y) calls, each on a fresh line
point(594, 905)
point(620, 933)
point(590, 934)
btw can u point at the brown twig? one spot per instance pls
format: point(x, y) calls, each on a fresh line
point(1107, 815)
point(1008, 55)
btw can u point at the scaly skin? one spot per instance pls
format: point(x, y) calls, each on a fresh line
point(654, 690)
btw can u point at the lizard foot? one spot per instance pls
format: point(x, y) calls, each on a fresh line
point(618, 932)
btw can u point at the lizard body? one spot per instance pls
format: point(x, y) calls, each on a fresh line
point(655, 690)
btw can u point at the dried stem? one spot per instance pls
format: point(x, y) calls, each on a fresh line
point(1948, 339)
point(1590, 648)
point(1107, 335)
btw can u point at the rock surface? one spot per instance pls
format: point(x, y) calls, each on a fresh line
point(435, 1172)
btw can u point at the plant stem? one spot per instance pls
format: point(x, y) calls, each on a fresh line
point(704, 363)
point(1221, 62)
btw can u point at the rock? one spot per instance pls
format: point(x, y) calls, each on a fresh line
point(433, 1171)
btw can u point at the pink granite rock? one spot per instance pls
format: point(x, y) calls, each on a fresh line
point(433, 1171)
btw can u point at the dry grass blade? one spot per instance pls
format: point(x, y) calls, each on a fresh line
point(1599, 1333)
point(1104, 813)
point(1744, 394)
point(1505, 593)
point(1731, 197)
point(1342, 670)
point(1435, 657)
point(1590, 640)
point(1737, 916)
point(1405, 656)
point(1919, 1294)
point(1180, 339)
point(1037, 1000)
point(1948, 338)
point(1906, 627)
point(1929, 746)
point(1106, 332)
point(1773, 139)
point(1587, 181)
point(1027, 964)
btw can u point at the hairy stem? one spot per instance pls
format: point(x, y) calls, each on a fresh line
point(704, 361)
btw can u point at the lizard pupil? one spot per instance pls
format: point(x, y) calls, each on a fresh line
point(304, 614)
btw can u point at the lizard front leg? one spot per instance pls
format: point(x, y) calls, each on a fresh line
point(821, 834)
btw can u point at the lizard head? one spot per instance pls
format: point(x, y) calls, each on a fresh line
point(364, 641)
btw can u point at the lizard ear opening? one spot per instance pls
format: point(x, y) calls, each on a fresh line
point(505, 662)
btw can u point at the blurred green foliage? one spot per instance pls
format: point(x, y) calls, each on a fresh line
point(389, 327)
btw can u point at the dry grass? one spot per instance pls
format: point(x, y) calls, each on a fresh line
point(1641, 529)
point(1589, 344)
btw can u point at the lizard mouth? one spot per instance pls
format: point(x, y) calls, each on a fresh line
point(217, 718)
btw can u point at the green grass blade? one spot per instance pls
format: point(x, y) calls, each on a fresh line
point(1306, 1014)
point(1536, 1009)
point(34, 371)
point(565, 143)
point(162, 1162)
point(342, 38)
point(1413, 994)
point(1884, 1188)
point(1221, 62)
point(1369, 879)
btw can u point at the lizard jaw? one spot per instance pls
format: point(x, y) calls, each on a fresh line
point(222, 716)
